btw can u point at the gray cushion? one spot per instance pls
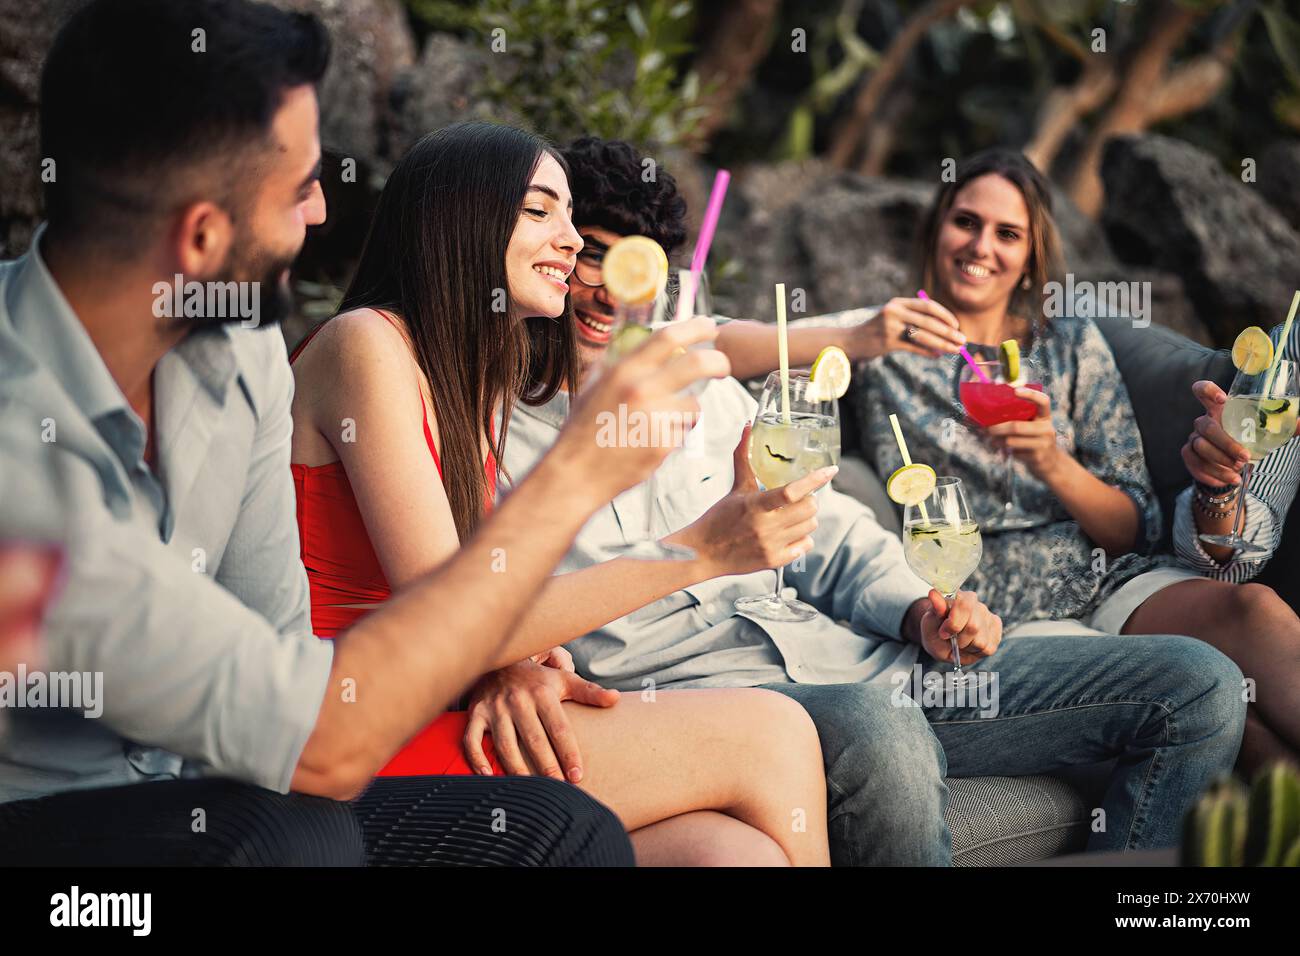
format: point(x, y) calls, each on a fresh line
point(1000, 821)
point(1158, 367)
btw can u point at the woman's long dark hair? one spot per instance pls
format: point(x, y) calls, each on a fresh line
point(436, 256)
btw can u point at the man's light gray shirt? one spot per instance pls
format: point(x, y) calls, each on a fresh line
point(185, 588)
point(694, 637)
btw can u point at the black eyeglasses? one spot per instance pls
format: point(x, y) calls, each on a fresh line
point(590, 269)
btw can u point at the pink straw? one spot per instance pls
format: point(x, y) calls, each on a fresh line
point(920, 294)
point(710, 222)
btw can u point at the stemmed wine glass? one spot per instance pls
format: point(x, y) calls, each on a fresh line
point(942, 544)
point(1260, 415)
point(783, 449)
point(992, 403)
point(635, 324)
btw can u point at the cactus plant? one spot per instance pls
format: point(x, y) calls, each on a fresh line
point(1274, 816)
point(1230, 827)
point(1215, 831)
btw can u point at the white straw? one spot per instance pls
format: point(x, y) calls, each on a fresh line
point(783, 352)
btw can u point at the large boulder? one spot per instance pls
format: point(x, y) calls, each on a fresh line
point(372, 46)
point(1171, 207)
point(26, 32)
point(1278, 178)
point(444, 86)
point(840, 239)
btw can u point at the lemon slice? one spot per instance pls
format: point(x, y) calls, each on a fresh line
point(1252, 352)
point(830, 375)
point(635, 270)
point(1009, 356)
point(911, 484)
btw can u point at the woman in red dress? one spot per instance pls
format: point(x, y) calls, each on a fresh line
point(450, 318)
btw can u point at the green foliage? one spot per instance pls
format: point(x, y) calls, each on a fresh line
point(575, 67)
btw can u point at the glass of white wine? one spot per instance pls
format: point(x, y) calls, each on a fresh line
point(635, 324)
point(1260, 415)
point(781, 450)
point(942, 544)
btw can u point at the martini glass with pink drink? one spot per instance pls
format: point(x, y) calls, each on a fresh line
point(991, 400)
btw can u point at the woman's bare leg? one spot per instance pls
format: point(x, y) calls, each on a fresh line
point(751, 754)
point(705, 838)
point(1261, 748)
point(1260, 632)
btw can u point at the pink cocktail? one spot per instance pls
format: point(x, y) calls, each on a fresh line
point(992, 403)
point(990, 400)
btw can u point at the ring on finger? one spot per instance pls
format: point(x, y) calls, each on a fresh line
point(909, 332)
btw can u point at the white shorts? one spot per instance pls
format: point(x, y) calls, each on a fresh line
point(1112, 613)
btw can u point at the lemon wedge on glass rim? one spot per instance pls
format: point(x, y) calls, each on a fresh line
point(830, 375)
point(1252, 351)
point(635, 270)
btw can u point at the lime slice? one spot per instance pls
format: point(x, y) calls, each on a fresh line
point(911, 484)
point(830, 375)
point(635, 270)
point(1252, 352)
point(1272, 414)
point(1009, 356)
point(627, 339)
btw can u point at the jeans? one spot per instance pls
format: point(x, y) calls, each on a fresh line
point(1168, 710)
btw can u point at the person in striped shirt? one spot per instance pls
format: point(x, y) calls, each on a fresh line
point(1209, 504)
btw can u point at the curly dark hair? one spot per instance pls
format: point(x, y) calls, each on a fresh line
point(609, 191)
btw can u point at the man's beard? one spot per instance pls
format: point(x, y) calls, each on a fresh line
point(270, 300)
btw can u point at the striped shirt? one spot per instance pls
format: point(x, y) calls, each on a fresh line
point(1272, 488)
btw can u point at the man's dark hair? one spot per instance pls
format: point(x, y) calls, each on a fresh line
point(135, 101)
point(610, 191)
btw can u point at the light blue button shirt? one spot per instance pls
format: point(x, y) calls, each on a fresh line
point(694, 637)
point(185, 588)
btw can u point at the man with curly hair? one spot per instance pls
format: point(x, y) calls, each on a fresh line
point(612, 199)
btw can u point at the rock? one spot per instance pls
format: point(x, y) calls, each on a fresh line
point(1171, 207)
point(372, 46)
point(840, 239)
point(1278, 178)
point(444, 86)
point(26, 32)
point(1083, 242)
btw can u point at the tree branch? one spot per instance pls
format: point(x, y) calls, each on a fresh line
point(740, 39)
point(852, 130)
point(1191, 85)
point(1128, 112)
point(1064, 106)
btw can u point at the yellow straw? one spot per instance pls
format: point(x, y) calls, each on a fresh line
point(907, 459)
point(783, 351)
point(1281, 345)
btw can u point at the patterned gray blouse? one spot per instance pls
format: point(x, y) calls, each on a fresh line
point(1052, 570)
